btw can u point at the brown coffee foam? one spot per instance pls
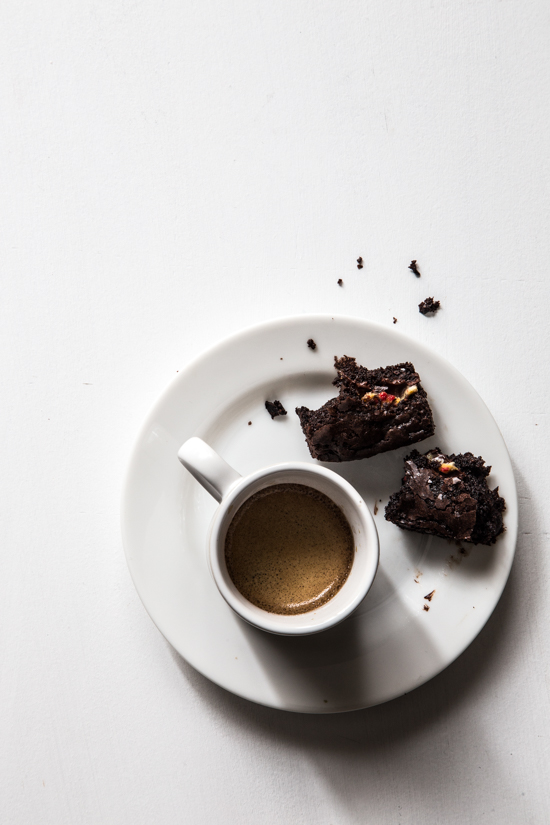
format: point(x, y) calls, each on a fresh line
point(289, 549)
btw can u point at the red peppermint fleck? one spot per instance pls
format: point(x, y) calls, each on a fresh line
point(383, 396)
point(390, 398)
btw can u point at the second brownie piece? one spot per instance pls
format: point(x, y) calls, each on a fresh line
point(376, 410)
point(447, 496)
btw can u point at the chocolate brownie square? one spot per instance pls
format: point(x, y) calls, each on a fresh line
point(447, 496)
point(376, 410)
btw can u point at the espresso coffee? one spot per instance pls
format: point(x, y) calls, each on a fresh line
point(289, 549)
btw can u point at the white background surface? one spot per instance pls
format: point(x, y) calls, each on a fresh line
point(171, 173)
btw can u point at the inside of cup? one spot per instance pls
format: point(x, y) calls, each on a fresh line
point(362, 571)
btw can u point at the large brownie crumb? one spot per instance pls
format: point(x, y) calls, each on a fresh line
point(413, 267)
point(311, 343)
point(447, 496)
point(275, 408)
point(376, 410)
point(429, 306)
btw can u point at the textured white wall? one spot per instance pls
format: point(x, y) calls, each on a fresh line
point(170, 173)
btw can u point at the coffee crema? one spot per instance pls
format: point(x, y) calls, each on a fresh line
point(289, 549)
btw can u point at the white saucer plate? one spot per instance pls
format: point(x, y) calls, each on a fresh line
point(392, 643)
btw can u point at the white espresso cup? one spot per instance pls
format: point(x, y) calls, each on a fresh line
point(231, 490)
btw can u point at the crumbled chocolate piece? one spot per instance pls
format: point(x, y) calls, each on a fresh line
point(426, 607)
point(377, 410)
point(413, 267)
point(456, 505)
point(430, 596)
point(249, 423)
point(340, 282)
point(429, 306)
point(275, 408)
point(395, 320)
point(311, 343)
point(359, 262)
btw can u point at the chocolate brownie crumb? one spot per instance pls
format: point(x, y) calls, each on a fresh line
point(275, 408)
point(429, 306)
point(249, 423)
point(430, 596)
point(359, 262)
point(394, 320)
point(311, 343)
point(340, 282)
point(413, 267)
point(426, 607)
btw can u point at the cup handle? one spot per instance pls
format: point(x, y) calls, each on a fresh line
point(216, 475)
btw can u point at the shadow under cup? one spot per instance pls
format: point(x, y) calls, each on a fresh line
point(363, 569)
